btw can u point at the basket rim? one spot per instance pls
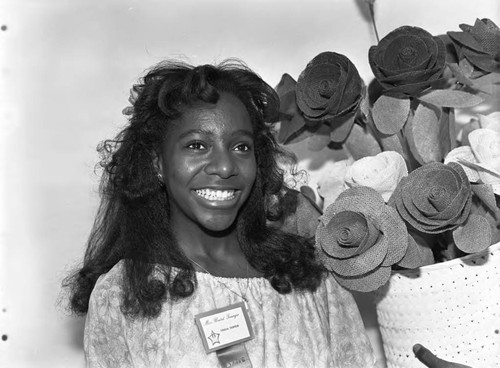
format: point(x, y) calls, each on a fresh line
point(440, 265)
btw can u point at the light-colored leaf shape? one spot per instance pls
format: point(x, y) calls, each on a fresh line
point(393, 143)
point(450, 98)
point(474, 235)
point(361, 142)
point(390, 113)
point(487, 196)
point(319, 139)
point(422, 134)
point(341, 128)
point(290, 128)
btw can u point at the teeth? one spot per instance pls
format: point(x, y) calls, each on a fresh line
point(215, 195)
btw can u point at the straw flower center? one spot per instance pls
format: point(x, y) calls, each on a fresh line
point(408, 54)
point(439, 197)
point(350, 228)
point(326, 88)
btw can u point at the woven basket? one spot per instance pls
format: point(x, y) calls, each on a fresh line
point(452, 308)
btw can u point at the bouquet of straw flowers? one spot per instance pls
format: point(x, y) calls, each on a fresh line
point(416, 188)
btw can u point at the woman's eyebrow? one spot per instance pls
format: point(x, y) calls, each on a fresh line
point(244, 132)
point(210, 133)
point(189, 132)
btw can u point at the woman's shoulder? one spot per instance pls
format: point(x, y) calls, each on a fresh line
point(111, 282)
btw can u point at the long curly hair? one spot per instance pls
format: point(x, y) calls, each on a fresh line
point(132, 222)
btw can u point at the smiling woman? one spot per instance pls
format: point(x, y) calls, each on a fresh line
point(191, 230)
point(208, 164)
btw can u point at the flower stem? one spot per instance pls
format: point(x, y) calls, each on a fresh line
point(372, 16)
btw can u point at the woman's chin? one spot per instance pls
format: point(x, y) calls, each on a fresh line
point(219, 224)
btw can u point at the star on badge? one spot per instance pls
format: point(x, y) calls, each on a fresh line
point(214, 338)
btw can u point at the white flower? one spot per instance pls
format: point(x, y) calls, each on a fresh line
point(485, 145)
point(332, 184)
point(381, 172)
point(490, 121)
point(463, 155)
point(481, 161)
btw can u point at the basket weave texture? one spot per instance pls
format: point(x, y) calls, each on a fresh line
point(452, 308)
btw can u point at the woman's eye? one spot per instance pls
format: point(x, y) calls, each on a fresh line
point(242, 147)
point(196, 146)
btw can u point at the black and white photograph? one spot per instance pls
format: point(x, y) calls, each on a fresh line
point(249, 183)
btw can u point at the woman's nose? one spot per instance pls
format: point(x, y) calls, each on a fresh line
point(221, 163)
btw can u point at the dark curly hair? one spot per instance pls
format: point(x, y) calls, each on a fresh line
point(132, 222)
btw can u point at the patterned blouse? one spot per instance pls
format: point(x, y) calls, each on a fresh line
point(300, 329)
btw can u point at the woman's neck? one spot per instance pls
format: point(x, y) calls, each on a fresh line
point(217, 253)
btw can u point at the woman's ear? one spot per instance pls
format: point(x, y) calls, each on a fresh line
point(157, 163)
point(158, 168)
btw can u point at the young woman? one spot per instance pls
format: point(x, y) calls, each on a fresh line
point(183, 268)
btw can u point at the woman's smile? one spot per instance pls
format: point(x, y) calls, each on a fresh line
point(216, 195)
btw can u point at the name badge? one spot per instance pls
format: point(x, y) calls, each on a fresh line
point(223, 327)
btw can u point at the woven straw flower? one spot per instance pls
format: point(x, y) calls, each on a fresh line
point(381, 172)
point(330, 90)
point(434, 198)
point(359, 238)
point(408, 60)
point(479, 44)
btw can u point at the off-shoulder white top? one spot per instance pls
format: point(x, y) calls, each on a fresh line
point(300, 329)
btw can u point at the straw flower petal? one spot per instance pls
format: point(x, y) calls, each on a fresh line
point(367, 282)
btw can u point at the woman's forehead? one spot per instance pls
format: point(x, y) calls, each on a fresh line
point(228, 115)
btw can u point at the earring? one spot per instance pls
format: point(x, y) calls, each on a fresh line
point(160, 179)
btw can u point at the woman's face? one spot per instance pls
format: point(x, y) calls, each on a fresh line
point(208, 164)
